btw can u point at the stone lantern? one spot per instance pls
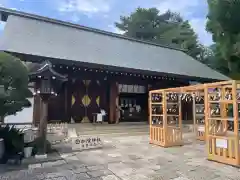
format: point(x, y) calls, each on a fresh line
point(48, 83)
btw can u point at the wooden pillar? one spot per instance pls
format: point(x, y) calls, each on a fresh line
point(66, 102)
point(36, 108)
point(42, 132)
point(112, 104)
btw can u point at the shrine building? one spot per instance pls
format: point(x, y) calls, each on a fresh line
point(104, 70)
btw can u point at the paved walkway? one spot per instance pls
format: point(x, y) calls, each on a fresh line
point(129, 158)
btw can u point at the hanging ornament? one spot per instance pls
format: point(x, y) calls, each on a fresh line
point(230, 126)
point(199, 99)
point(201, 120)
point(215, 111)
point(156, 97)
point(186, 97)
point(228, 94)
point(157, 110)
point(172, 97)
point(238, 96)
point(215, 95)
point(200, 110)
point(173, 120)
point(157, 120)
point(172, 109)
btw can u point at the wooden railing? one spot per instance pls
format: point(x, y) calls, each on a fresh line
point(172, 136)
point(223, 149)
point(157, 135)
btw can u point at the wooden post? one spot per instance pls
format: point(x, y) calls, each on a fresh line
point(43, 127)
point(36, 107)
point(180, 116)
point(36, 110)
point(117, 110)
point(235, 118)
point(223, 112)
point(150, 109)
point(206, 109)
point(164, 107)
point(194, 116)
point(113, 107)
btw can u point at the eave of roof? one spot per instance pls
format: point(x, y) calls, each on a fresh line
point(4, 13)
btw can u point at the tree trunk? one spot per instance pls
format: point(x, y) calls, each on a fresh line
point(43, 128)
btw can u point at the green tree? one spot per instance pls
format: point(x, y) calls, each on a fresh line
point(206, 55)
point(13, 85)
point(224, 24)
point(167, 28)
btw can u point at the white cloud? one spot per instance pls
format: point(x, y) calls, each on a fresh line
point(104, 8)
point(114, 29)
point(84, 6)
point(3, 3)
point(75, 18)
point(185, 7)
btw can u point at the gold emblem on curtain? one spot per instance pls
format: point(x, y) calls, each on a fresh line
point(86, 100)
point(73, 100)
point(98, 101)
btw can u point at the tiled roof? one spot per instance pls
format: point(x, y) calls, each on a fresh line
point(36, 35)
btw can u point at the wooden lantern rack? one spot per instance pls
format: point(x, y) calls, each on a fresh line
point(163, 131)
point(222, 121)
point(221, 113)
point(197, 92)
point(165, 117)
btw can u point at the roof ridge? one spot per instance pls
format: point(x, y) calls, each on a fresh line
point(5, 12)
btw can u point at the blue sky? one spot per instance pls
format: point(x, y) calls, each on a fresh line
point(102, 14)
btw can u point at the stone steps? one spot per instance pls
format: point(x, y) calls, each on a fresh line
point(114, 131)
point(118, 129)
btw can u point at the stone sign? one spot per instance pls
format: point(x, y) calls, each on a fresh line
point(86, 142)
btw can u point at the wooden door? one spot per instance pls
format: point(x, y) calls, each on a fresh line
point(88, 97)
point(96, 93)
point(78, 109)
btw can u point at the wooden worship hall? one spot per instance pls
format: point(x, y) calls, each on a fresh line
point(216, 118)
point(104, 70)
